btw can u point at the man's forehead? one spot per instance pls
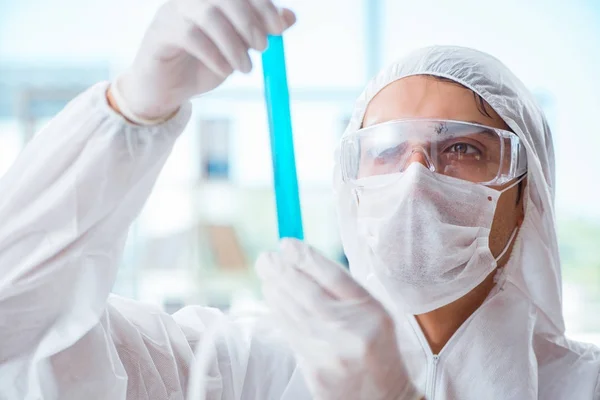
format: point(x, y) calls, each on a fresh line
point(423, 96)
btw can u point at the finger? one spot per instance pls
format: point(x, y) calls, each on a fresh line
point(305, 289)
point(290, 315)
point(198, 45)
point(294, 287)
point(250, 27)
point(269, 15)
point(298, 331)
point(214, 24)
point(288, 16)
point(269, 266)
point(278, 275)
point(325, 272)
point(305, 326)
point(318, 302)
point(277, 270)
point(281, 304)
point(294, 317)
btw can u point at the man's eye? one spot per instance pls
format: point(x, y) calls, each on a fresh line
point(384, 152)
point(462, 149)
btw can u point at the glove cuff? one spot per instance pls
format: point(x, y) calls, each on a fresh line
point(126, 112)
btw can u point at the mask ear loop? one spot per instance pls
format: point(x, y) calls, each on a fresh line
point(500, 276)
point(515, 183)
point(516, 229)
point(508, 244)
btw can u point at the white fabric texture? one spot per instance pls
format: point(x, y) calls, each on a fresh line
point(427, 236)
point(65, 208)
point(513, 346)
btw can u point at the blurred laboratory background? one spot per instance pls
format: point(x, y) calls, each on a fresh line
point(212, 210)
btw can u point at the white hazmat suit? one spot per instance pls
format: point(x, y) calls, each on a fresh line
point(513, 346)
point(66, 206)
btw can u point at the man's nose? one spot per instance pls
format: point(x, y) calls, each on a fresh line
point(417, 155)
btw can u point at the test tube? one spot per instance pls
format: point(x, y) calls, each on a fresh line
point(289, 217)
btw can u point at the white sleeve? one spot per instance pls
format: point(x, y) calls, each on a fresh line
point(139, 352)
point(65, 209)
point(238, 357)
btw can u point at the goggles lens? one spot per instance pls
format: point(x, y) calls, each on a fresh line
point(462, 150)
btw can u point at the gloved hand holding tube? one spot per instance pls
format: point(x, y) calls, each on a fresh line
point(344, 339)
point(191, 47)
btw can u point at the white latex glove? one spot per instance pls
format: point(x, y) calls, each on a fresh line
point(190, 48)
point(344, 339)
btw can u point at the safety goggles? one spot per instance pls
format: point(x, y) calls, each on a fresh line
point(463, 150)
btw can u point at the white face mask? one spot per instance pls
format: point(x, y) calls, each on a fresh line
point(426, 237)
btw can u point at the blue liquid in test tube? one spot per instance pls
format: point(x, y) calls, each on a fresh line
point(289, 218)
